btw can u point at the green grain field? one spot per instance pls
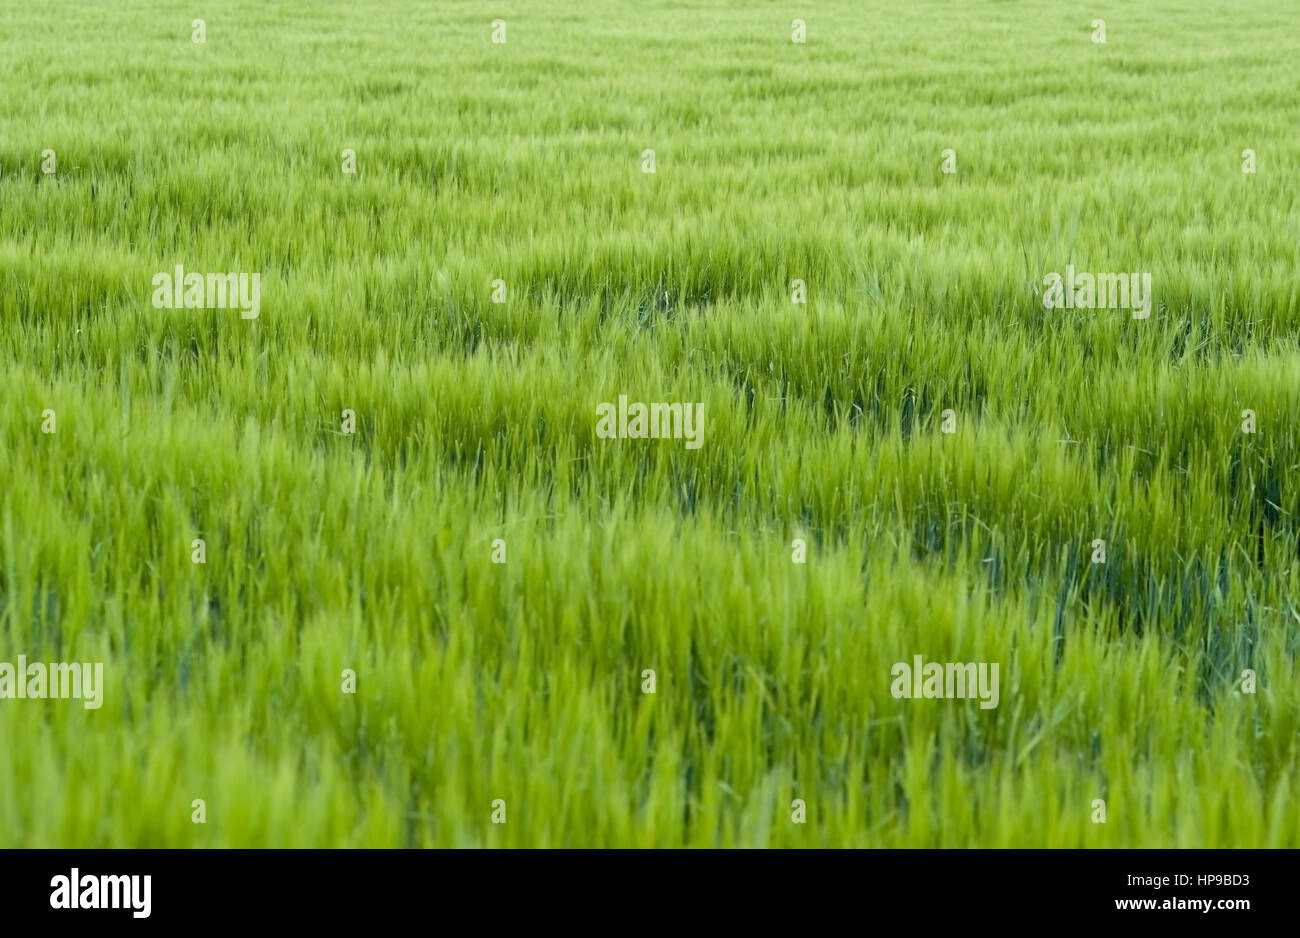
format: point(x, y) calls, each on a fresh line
point(475, 405)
